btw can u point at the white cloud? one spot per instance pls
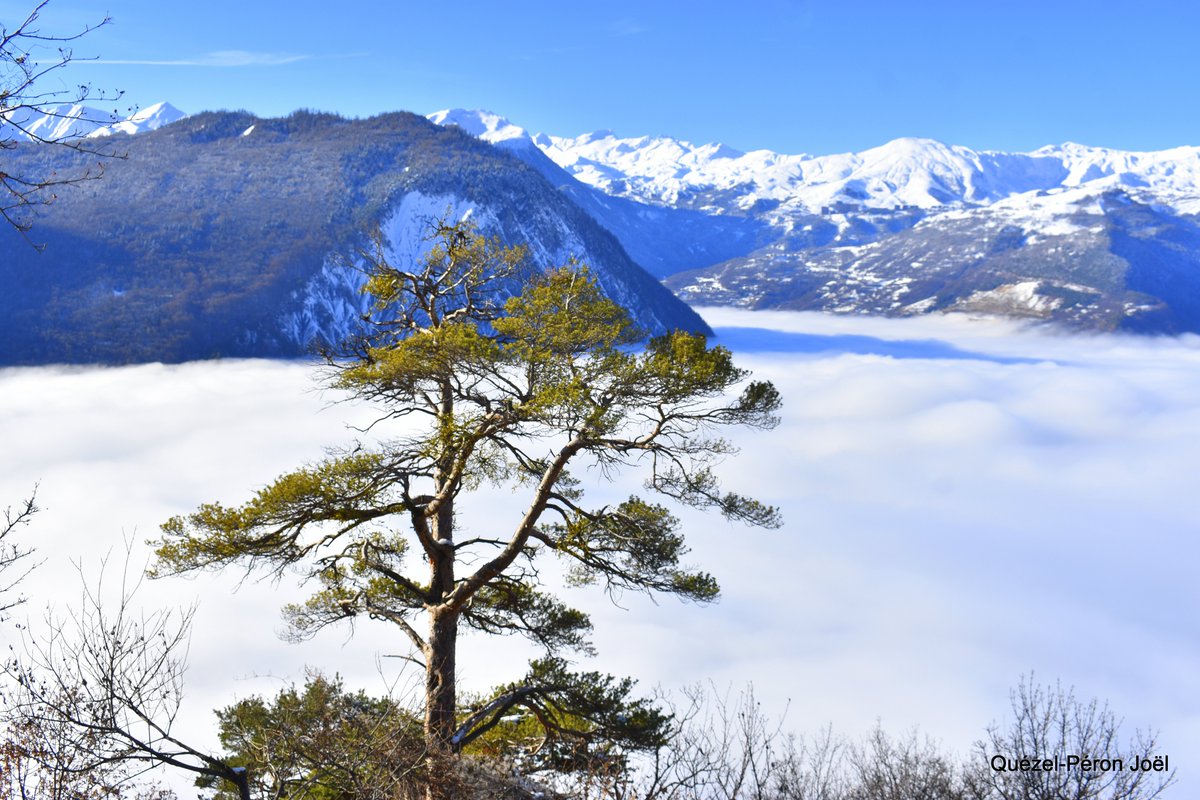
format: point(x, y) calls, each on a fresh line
point(1020, 501)
point(217, 58)
point(627, 26)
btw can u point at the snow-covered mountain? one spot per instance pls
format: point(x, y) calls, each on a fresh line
point(903, 174)
point(920, 173)
point(662, 239)
point(484, 125)
point(64, 121)
point(664, 171)
point(77, 121)
point(226, 234)
point(150, 118)
point(1091, 236)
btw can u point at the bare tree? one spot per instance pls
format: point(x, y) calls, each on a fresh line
point(1059, 748)
point(103, 687)
point(28, 57)
point(722, 747)
point(719, 746)
point(909, 768)
point(812, 768)
point(34, 764)
point(14, 564)
point(726, 747)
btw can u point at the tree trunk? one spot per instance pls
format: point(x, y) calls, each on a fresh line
point(443, 633)
point(440, 695)
point(241, 779)
point(440, 703)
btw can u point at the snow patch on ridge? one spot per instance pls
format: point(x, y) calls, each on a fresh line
point(331, 304)
point(406, 228)
point(1022, 298)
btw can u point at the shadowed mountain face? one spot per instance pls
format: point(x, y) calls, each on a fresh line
point(215, 236)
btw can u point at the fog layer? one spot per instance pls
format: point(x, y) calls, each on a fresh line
point(964, 502)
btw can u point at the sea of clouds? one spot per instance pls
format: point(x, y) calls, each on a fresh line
point(965, 502)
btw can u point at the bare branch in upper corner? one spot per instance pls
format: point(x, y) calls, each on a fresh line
point(31, 113)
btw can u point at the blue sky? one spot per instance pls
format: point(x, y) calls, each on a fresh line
point(787, 75)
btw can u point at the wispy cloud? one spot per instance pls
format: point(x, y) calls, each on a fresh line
point(627, 27)
point(217, 58)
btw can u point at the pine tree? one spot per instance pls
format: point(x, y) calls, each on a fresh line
point(507, 392)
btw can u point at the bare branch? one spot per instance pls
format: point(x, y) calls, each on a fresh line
point(14, 566)
point(28, 57)
point(109, 678)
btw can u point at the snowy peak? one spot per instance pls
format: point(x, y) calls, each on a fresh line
point(1176, 170)
point(150, 118)
point(596, 136)
point(656, 169)
point(484, 125)
point(906, 174)
point(77, 121)
point(1091, 237)
point(55, 122)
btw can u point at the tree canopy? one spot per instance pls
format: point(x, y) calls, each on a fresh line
point(491, 374)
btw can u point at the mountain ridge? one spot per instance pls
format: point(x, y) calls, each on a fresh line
point(220, 235)
point(1092, 237)
point(900, 173)
point(667, 167)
